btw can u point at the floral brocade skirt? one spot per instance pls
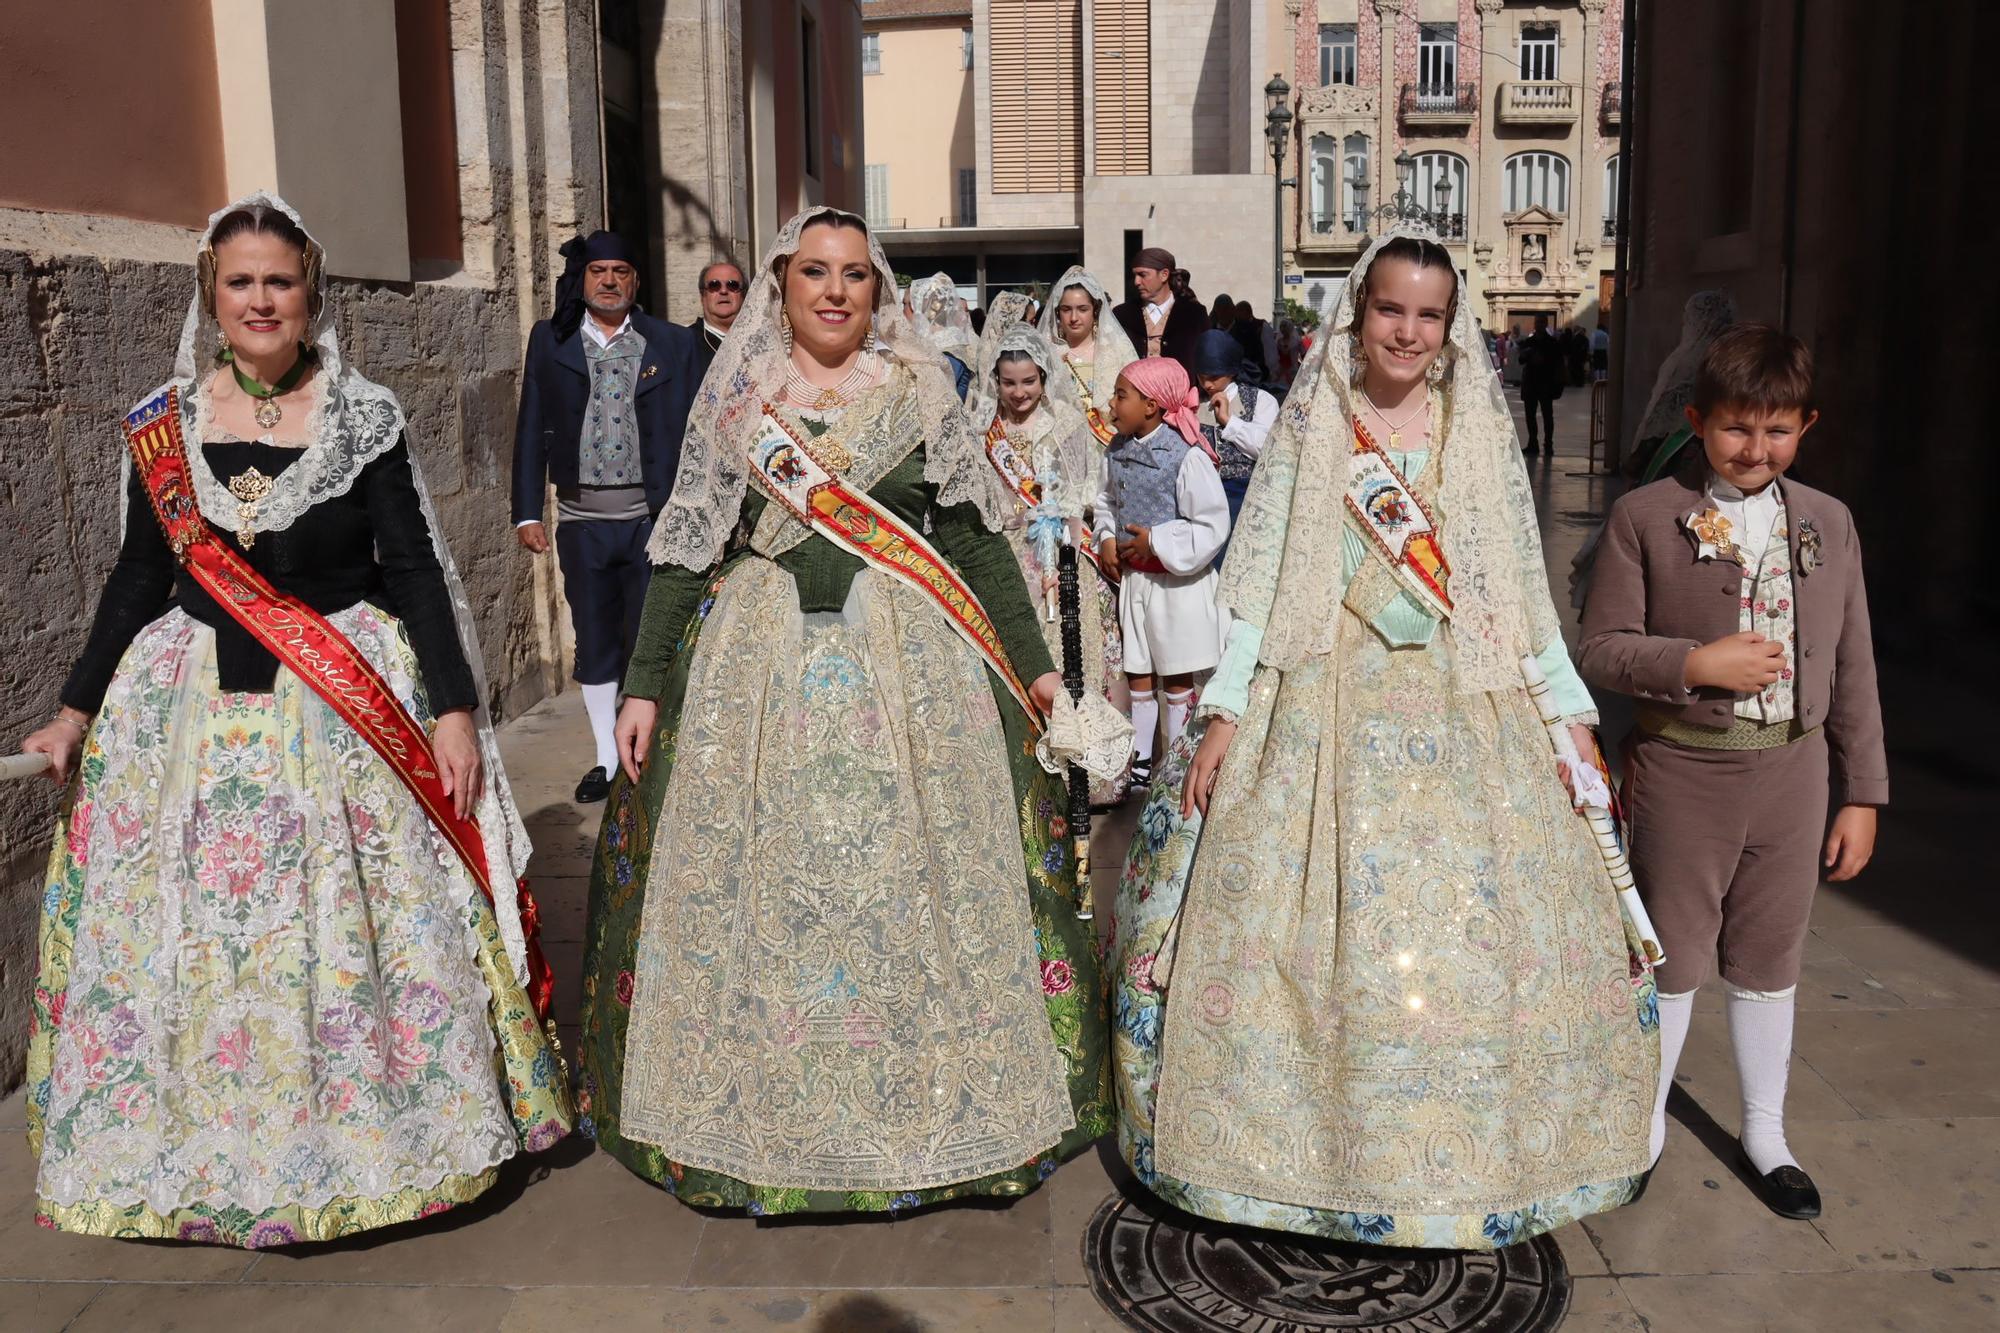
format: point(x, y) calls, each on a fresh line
point(272, 1005)
point(831, 966)
point(1386, 994)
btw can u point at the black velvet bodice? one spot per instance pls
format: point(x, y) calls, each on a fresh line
point(371, 544)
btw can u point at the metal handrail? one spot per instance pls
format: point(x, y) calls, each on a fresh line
point(1460, 98)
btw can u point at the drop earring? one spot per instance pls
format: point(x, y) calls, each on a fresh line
point(785, 328)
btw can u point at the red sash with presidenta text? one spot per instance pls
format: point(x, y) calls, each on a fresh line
point(788, 472)
point(314, 650)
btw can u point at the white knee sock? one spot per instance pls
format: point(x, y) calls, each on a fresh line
point(601, 703)
point(1676, 1011)
point(1760, 1033)
point(1179, 704)
point(1145, 721)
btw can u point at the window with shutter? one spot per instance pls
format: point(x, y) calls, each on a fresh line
point(875, 186)
point(1122, 87)
point(1035, 72)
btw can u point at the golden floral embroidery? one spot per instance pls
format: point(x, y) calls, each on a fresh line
point(836, 985)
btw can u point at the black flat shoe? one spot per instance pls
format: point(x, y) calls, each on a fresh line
point(1645, 1182)
point(596, 785)
point(1142, 775)
point(1788, 1191)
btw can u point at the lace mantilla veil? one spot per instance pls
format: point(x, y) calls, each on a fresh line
point(1114, 348)
point(352, 422)
point(935, 311)
point(749, 371)
point(1703, 320)
point(1285, 549)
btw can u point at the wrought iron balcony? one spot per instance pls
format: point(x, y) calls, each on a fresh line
point(1538, 103)
point(1441, 104)
point(1612, 107)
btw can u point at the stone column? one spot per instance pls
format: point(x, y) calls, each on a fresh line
point(1586, 223)
point(1483, 230)
point(1390, 15)
point(693, 95)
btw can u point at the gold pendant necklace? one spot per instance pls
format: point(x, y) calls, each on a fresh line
point(1396, 427)
point(251, 488)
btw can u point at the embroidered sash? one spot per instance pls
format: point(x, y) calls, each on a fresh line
point(1014, 470)
point(785, 469)
point(315, 651)
point(1398, 523)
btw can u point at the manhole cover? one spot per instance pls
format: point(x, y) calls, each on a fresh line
point(1173, 1273)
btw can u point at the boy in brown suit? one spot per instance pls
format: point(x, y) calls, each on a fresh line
point(1729, 602)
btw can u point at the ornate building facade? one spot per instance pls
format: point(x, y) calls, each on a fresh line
point(1501, 118)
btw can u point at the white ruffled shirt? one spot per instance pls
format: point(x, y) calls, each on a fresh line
point(1246, 431)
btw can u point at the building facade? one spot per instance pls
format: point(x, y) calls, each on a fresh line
point(1506, 119)
point(1095, 128)
point(722, 119)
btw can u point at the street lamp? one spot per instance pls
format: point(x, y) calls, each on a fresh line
point(1277, 131)
point(1444, 208)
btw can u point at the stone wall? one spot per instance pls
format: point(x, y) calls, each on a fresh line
point(91, 309)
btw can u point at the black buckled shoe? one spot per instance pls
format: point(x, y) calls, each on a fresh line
point(596, 785)
point(1787, 1191)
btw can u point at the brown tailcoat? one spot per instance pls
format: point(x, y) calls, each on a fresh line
point(1653, 601)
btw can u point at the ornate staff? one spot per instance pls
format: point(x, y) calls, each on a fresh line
point(1602, 826)
point(1070, 599)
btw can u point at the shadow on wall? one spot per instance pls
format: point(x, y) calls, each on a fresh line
point(1209, 153)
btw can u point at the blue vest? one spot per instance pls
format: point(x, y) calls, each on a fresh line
point(1143, 477)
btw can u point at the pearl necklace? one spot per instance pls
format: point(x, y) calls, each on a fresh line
point(802, 392)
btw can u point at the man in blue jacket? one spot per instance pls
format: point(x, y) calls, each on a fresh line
point(604, 401)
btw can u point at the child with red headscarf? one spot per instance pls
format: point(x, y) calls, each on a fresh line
point(1161, 519)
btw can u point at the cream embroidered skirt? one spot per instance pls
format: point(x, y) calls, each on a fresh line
point(272, 1005)
point(1403, 1008)
point(841, 995)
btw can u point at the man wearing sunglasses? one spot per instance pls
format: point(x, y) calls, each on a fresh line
point(604, 402)
point(721, 285)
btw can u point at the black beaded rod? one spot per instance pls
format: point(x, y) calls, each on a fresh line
point(1069, 599)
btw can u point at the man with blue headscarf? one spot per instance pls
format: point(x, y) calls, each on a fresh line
point(604, 401)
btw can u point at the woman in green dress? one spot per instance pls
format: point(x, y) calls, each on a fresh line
point(833, 960)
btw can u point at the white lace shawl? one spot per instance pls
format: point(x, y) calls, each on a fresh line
point(1114, 349)
point(749, 370)
point(1282, 571)
point(353, 421)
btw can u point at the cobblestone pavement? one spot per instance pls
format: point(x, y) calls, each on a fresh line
point(1895, 1107)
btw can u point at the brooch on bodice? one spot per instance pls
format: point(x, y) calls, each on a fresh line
point(251, 488)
